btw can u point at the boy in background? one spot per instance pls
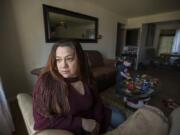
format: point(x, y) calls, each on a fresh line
point(122, 73)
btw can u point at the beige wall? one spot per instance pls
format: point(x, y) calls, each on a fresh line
point(12, 64)
point(24, 40)
point(138, 21)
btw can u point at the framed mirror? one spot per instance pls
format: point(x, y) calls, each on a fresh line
point(63, 24)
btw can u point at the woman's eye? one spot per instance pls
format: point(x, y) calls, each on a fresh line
point(69, 59)
point(58, 60)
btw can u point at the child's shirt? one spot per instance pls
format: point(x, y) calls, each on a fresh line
point(121, 68)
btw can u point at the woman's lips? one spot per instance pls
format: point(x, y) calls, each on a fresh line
point(64, 72)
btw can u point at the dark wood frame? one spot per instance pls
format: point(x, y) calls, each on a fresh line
point(47, 9)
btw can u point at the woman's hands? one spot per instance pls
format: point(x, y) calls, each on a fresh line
point(90, 125)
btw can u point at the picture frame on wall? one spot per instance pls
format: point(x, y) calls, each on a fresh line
point(64, 24)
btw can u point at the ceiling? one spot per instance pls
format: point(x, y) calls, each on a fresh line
point(136, 8)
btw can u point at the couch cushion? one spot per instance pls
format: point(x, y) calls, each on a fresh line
point(54, 132)
point(175, 122)
point(103, 71)
point(146, 121)
point(95, 58)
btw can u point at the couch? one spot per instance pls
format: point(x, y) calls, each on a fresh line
point(145, 121)
point(103, 69)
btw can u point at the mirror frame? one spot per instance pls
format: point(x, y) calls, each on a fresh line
point(47, 9)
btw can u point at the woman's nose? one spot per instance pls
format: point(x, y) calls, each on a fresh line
point(64, 64)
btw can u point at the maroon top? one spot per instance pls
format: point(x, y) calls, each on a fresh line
point(88, 106)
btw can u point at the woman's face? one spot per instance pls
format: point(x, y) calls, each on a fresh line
point(67, 62)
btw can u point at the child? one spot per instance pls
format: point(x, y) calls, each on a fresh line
point(122, 73)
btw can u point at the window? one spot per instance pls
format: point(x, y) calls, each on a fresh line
point(166, 40)
point(165, 44)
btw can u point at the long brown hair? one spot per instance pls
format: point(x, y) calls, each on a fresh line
point(53, 90)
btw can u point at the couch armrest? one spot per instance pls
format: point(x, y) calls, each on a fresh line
point(53, 132)
point(174, 121)
point(110, 62)
point(25, 105)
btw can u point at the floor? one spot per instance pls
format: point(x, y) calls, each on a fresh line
point(169, 88)
point(18, 120)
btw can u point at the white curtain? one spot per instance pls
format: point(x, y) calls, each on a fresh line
point(176, 42)
point(6, 123)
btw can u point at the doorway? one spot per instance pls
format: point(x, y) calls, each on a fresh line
point(120, 39)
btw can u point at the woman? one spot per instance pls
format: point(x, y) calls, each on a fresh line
point(65, 94)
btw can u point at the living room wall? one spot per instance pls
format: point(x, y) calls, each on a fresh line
point(137, 22)
point(23, 39)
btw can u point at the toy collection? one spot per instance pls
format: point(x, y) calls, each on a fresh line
point(138, 90)
point(141, 84)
